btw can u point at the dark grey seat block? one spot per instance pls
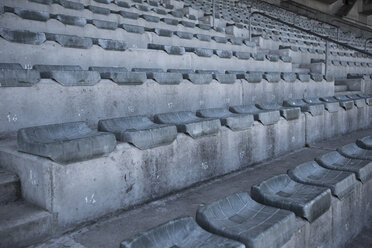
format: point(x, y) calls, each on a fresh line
point(317, 77)
point(151, 18)
point(198, 78)
point(272, 57)
point(359, 102)
point(11, 66)
point(22, 36)
point(289, 76)
point(170, 21)
point(71, 5)
point(341, 183)
point(354, 151)
point(286, 59)
point(133, 28)
point(129, 15)
point(225, 78)
point(331, 104)
point(336, 161)
point(242, 55)
point(254, 77)
point(313, 109)
point(72, 20)
point(139, 131)
point(203, 37)
point(75, 78)
point(258, 56)
point(235, 122)
point(367, 97)
point(289, 113)
point(120, 75)
point(223, 54)
point(303, 77)
point(187, 122)
point(220, 39)
point(272, 77)
point(99, 10)
point(163, 32)
point(105, 24)
point(114, 45)
point(365, 142)
point(165, 77)
point(184, 35)
point(240, 218)
point(73, 41)
point(66, 142)
point(32, 14)
point(264, 116)
point(345, 102)
point(18, 77)
point(203, 52)
point(306, 201)
point(106, 72)
point(174, 50)
point(179, 233)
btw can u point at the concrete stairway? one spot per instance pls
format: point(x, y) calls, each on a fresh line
point(21, 223)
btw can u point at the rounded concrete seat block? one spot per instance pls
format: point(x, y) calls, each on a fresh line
point(18, 77)
point(114, 45)
point(365, 143)
point(254, 77)
point(129, 15)
point(203, 52)
point(99, 10)
point(73, 41)
point(22, 36)
point(336, 161)
point(306, 201)
point(184, 35)
point(303, 77)
point(225, 78)
point(331, 104)
point(313, 109)
point(133, 28)
point(32, 14)
point(289, 76)
point(128, 78)
point(72, 20)
point(272, 57)
point(150, 18)
point(106, 72)
point(187, 122)
point(105, 24)
point(166, 77)
point(235, 122)
point(71, 5)
point(66, 142)
point(75, 78)
point(264, 116)
point(272, 77)
point(242, 55)
point(354, 151)
point(240, 218)
point(317, 77)
point(139, 131)
point(359, 102)
point(223, 54)
point(170, 21)
point(367, 97)
point(341, 183)
point(199, 78)
point(289, 113)
point(179, 233)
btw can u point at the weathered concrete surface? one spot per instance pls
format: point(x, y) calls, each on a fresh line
point(31, 106)
point(130, 176)
point(110, 231)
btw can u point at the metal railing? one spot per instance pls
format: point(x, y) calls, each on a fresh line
point(326, 38)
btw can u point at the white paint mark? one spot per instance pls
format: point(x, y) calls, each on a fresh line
point(201, 102)
point(227, 100)
point(170, 105)
point(204, 165)
point(131, 108)
point(90, 200)
point(12, 118)
point(28, 66)
point(32, 178)
point(242, 154)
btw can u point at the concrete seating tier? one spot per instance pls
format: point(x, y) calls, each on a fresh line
point(240, 218)
point(182, 232)
point(354, 151)
point(189, 123)
point(365, 143)
point(65, 143)
point(139, 131)
point(331, 105)
point(359, 102)
point(266, 117)
point(335, 161)
point(235, 122)
point(289, 113)
point(347, 104)
point(341, 183)
point(314, 109)
point(281, 191)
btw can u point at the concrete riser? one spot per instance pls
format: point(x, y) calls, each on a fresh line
point(129, 176)
point(9, 192)
point(332, 124)
point(48, 102)
point(342, 222)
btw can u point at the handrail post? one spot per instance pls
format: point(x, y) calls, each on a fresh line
point(326, 58)
point(213, 13)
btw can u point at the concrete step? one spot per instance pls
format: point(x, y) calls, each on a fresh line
point(348, 92)
point(9, 187)
point(301, 70)
point(339, 88)
point(22, 224)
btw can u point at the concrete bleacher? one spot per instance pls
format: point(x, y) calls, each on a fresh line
point(123, 102)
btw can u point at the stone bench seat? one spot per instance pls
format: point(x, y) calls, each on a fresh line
point(160, 76)
point(235, 122)
point(187, 122)
point(354, 151)
point(336, 161)
point(266, 117)
point(66, 142)
point(181, 233)
point(331, 105)
point(365, 142)
point(139, 131)
point(341, 183)
point(306, 201)
point(240, 218)
point(359, 102)
point(289, 113)
point(367, 97)
point(18, 77)
point(345, 102)
point(120, 75)
point(313, 109)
